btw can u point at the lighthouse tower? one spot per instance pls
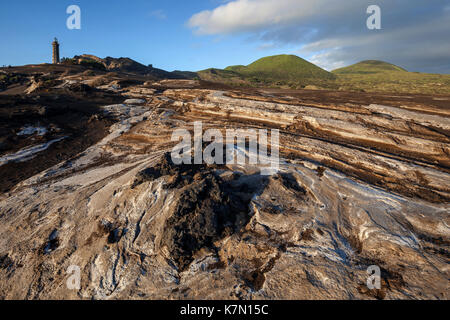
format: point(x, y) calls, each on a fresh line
point(55, 56)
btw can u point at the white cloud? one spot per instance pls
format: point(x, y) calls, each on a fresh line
point(249, 15)
point(333, 33)
point(414, 47)
point(326, 61)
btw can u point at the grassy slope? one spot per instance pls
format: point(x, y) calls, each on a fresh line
point(378, 76)
point(289, 71)
point(369, 67)
point(283, 67)
point(222, 76)
point(281, 70)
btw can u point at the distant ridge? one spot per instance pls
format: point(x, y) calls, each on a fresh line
point(283, 71)
point(126, 65)
point(380, 76)
point(369, 66)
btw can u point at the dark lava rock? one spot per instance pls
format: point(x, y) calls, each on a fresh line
point(114, 232)
point(6, 262)
point(291, 183)
point(115, 235)
point(208, 208)
point(52, 244)
point(180, 174)
point(80, 88)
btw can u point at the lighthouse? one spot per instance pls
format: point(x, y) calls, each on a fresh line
point(55, 56)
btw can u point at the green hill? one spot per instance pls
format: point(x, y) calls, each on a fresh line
point(289, 71)
point(282, 70)
point(373, 76)
point(369, 67)
point(282, 67)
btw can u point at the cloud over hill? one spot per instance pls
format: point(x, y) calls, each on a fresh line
point(333, 33)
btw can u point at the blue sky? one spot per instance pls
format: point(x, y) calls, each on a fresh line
point(197, 34)
point(153, 32)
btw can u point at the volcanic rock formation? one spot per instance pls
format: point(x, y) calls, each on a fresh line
point(363, 180)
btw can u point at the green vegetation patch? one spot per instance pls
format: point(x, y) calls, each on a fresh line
point(369, 67)
point(289, 71)
point(379, 76)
